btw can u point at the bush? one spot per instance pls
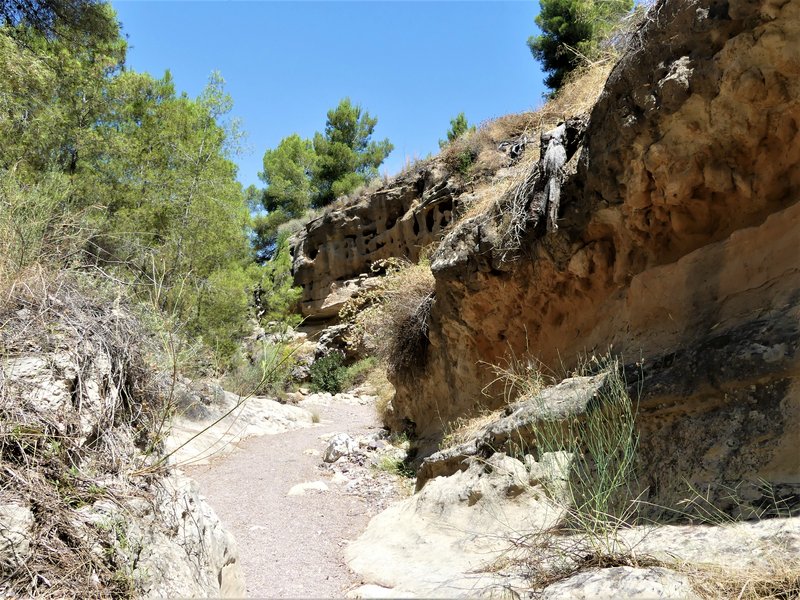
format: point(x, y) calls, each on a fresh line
point(328, 374)
point(359, 371)
point(393, 316)
point(269, 373)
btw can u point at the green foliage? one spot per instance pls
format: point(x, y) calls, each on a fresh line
point(301, 174)
point(458, 127)
point(110, 168)
point(396, 466)
point(328, 374)
point(358, 372)
point(464, 160)
point(270, 371)
point(287, 173)
point(346, 156)
point(571, 33)
point(602, 448)
point(85, 18)
point(276, 296)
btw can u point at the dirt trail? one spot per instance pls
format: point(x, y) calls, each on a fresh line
point(290, 546)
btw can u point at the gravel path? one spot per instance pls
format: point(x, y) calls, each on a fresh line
point(290, 546)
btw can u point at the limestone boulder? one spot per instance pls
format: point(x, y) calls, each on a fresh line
point(443, 541)
point(339, 445)
point(626, 583)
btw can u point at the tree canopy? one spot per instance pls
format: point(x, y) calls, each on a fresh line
point(302, 174)
point(458, 127)
point(571, 33)
point(347, 157)
point(105, 168)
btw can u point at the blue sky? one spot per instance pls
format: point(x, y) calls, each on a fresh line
point(412, 64)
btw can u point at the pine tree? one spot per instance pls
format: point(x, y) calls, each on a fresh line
point(571, 32)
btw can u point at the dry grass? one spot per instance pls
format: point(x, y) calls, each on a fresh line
point(48, 461)
point(550, 556)
point(463, 429)
point(779, 580)
point(577, 96)
point(392, 316)
point(506, 203)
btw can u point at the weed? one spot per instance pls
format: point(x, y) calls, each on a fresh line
point(395, 466)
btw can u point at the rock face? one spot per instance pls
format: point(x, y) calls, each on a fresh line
point(441, 542)
point(87, 504)
point(496, 517)
point(677, 245)
point(333, 256)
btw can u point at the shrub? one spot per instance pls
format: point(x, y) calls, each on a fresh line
point(269, 373)
point(36, 223)
point(328, 373)
point(358, 372)
point(393, 316)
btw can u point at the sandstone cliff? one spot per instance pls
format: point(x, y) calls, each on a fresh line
point(338, 249)
point(678, 245)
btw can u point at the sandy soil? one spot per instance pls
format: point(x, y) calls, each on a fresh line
point(290, 546)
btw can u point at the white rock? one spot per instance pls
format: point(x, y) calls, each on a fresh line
point(16, 522)
point(253, 416)
point(376, 591)
point(339, 478)
point(625, 583)
point(437, 542)
point(301, 488)
point(340, 445)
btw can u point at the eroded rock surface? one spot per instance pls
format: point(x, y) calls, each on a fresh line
point(87, 505)
point(679, 231)
point(333, 256)
point(486, 524)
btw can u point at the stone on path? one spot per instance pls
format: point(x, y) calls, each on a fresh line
point(340, 445)
point(301, 488)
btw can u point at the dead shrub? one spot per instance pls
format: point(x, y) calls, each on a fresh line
point(48, 459)
point(392, 315)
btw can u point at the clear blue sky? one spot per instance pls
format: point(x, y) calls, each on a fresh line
point(412, 64)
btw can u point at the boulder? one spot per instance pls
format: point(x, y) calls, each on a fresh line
point(339, 445)
point(625, 583)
